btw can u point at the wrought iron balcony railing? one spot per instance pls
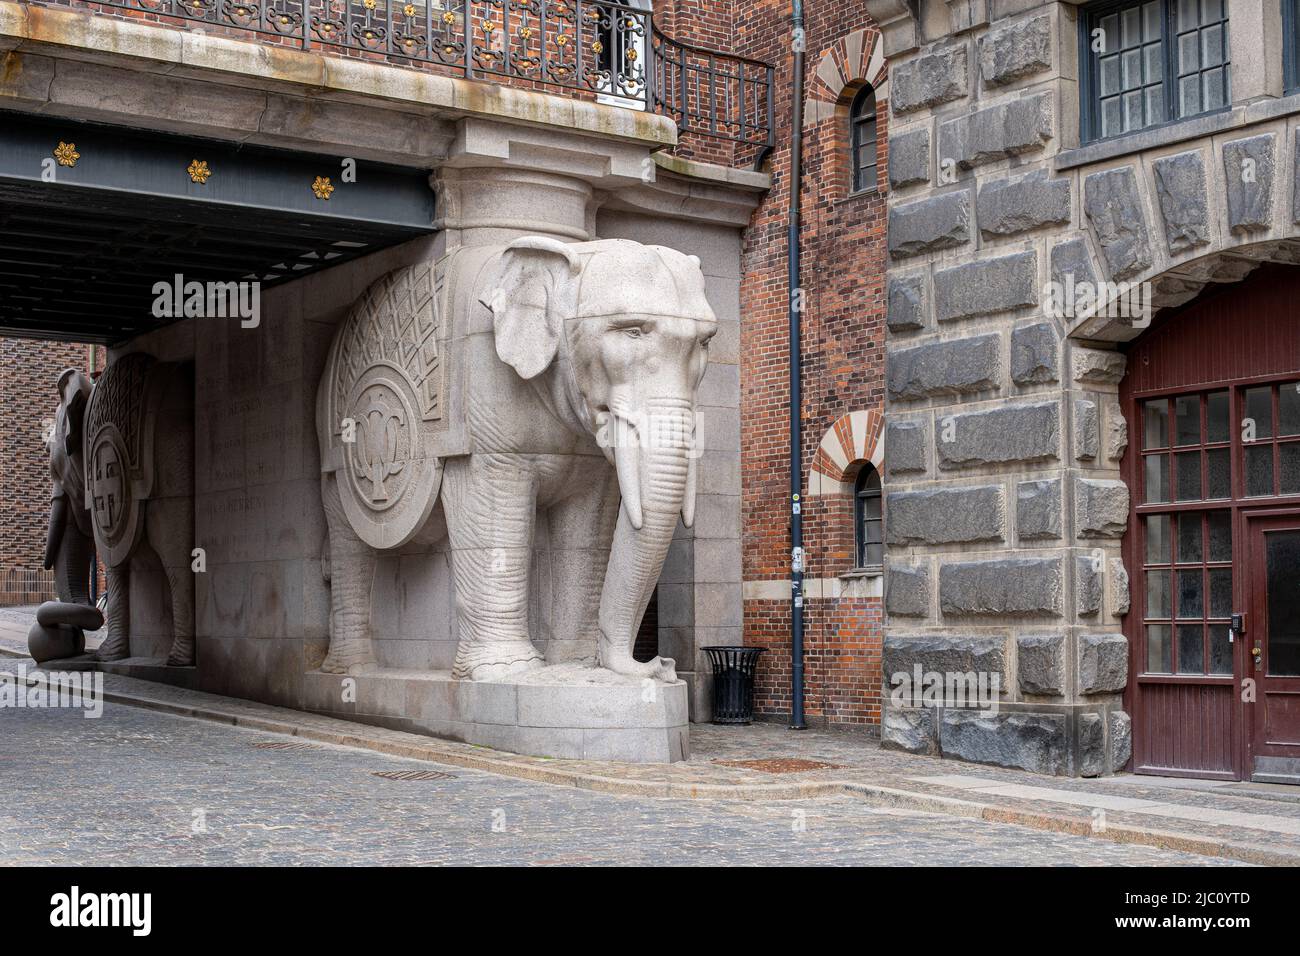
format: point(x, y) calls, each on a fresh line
point(606, 49)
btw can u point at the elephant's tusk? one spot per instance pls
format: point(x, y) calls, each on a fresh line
point(692, 478)
point(627, 462)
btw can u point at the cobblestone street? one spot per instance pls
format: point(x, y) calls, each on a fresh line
point(137, 787)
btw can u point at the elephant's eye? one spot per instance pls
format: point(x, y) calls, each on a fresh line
point(634, 331)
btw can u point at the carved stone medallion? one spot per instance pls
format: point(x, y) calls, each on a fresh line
point(113, 507)
point(389, 484)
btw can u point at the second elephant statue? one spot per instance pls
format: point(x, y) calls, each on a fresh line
point(562, 386)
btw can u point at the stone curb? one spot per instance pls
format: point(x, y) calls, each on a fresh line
point(894, 797)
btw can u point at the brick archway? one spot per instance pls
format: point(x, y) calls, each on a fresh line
point(849, 61)
point(855, 437)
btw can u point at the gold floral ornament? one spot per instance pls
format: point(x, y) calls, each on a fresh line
point(409, 9)
point(66, 153)
point(322, 187)
point(561, 40)
point(597, 47)
point(369, 4)
point(449, 18)
point(199, 172)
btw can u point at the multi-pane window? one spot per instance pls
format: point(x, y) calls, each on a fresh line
point(1152, 62)
point(1202, 456)
point(1187, 564)
point(1270, 436)
point(862, 139)
point(868, 519)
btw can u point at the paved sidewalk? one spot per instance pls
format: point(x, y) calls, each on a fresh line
point(764, 762)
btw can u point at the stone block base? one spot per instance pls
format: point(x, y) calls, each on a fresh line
point(1061, 740)
point(567, 711)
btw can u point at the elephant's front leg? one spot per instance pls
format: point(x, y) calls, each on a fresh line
point(352, 574)
point(491, 502)
point(117, 643)
point(581, 527)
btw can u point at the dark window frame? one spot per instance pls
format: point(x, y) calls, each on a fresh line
point(1089, 86)
point(864, 490)
point(862, 114)
point(1291, 45)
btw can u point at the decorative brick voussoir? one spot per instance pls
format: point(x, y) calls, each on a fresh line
point(987, 287)
point(1249, 168)
point(1002, 587)
point(1012, 433)
point(998, 132)
point(929, 225)
point(946, 515)
point(961, 367)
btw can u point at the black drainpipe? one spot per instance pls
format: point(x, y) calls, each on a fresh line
point(796, 403)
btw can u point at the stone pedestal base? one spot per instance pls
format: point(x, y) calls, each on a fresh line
point(566, 711)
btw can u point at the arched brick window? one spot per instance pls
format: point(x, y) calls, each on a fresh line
point(862, 139)
point(868, 519)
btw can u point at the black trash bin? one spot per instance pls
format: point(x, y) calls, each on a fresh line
point(733, 683)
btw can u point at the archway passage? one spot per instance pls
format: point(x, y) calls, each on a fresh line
point(94, 217)
point(1212, 401)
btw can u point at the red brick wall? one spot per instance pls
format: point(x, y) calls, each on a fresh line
point(843, 368)
point(29, 372)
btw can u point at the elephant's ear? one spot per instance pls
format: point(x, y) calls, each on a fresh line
point(534, 292)
point(74, 398)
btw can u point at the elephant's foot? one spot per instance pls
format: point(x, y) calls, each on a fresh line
point(182, 654)
point(346, 659)
point(114, 648)
point(620, 661)
point(496, 660)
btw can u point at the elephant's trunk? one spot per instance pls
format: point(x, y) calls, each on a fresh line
point(54, 534)
point(655, 462)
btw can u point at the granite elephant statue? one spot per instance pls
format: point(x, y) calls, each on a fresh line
point(572, 379)
point(70, 540)
point(59, 629)
point(139, 486)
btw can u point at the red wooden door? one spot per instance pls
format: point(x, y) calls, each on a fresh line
point(1213, 412)
point(1272, 642)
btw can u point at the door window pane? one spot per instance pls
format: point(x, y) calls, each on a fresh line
point(1191, 594)
point(1259, 470)
point(1289, 467)
point(1189, 475)
point(1216, 416)
point(1218, 477)
point(1282, 563)
point(1158, 594)
point(1155, 424)
point(1159, 654)
point(1157, 528)
point(1189, 539)
point(1191, 649)
point(1288, 409)
point(1259, 413)
point(1220, 535)
point(1220, 592)
point(1187, 420)
point(1220, 650)
point(1157, 478)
